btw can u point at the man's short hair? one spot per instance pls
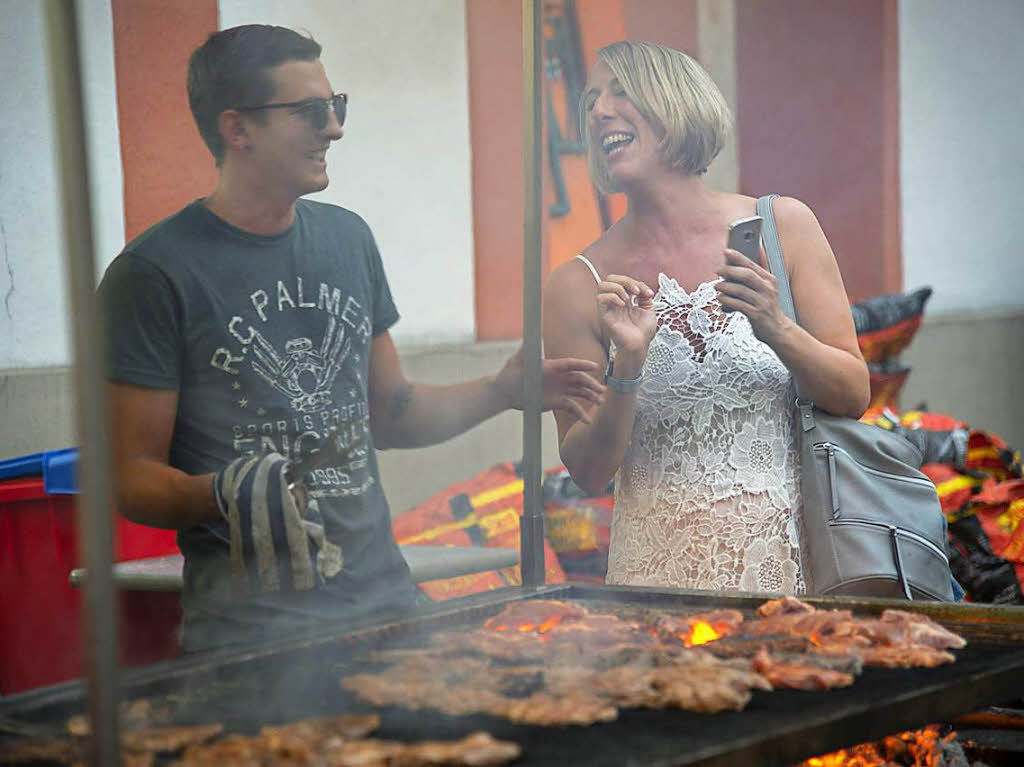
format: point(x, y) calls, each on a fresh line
point(231, 70)
point(675, 95)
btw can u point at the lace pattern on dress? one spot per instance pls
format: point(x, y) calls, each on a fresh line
point(707, 495)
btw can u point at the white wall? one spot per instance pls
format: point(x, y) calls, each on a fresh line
point(96, 35)
point(404, 163)
point(962, 151)
point(33, 310)
point(32, 290)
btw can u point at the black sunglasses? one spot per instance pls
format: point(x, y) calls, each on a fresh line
point(314, 110)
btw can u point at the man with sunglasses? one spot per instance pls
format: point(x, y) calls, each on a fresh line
point(246, 327)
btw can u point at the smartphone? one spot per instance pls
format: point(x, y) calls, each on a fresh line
point(745, 237)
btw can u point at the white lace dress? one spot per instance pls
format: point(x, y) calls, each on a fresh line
point(708, 495)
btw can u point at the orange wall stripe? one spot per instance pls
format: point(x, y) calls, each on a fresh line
point(666, 22)
point(603, 22)
point(494, 31)
point(567, 235)
point(494, 44)
point(165, 162)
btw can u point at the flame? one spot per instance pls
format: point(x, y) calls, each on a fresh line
point(701, 633)
point(549, 624)
point(837, 759)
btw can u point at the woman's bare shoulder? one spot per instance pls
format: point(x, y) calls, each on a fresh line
point(572, 275)
point(576, 273)
point(737, 205)
point(794, 215)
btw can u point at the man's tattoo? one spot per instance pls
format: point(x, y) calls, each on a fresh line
point(400, 401)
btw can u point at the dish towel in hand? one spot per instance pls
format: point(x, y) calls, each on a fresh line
point(273, 547)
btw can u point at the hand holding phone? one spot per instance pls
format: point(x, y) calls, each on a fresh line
point(745, 237)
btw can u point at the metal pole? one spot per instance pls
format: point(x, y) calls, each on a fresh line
point(531, 529)
point(90, 389)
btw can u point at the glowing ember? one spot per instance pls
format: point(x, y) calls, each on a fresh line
point(534, 615)
point(701, 633)
point(918, 747)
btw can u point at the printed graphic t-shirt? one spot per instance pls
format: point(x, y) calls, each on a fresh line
point(267, 341)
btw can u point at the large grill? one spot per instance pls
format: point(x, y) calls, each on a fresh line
point(247, 687)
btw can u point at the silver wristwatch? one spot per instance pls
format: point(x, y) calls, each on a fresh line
point(623, 385)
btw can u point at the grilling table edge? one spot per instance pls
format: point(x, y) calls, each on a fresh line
point(426, 563)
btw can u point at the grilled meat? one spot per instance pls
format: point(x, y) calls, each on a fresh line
point(783, 606)
point(509, 647)
point(897, 639)
point(702, 684)
point(131, 759)
point(791, 674)
point(139, 747)
point(744, 646)
point(904, 656)
point(63, 750)
point(476, 750)
point(233, 751)
point(518, 682)
point(163, 740)
point(846, 664)
point(533, 613)
point(133, 715)
point(706, 687)
point(554, 665)
point(548, 710)
point(417, 685)
point(907, 627)
point(817, 625)
point(284, 747)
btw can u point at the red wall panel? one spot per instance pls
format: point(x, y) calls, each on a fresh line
point(818, 120)
point(165, 162)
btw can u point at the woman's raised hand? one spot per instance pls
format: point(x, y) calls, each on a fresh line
point(751, 289)
point(625, 308)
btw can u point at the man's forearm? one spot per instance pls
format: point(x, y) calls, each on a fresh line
point(417, 415)
point(155, 494)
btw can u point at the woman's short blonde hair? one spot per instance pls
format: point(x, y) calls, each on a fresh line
point(675, 95)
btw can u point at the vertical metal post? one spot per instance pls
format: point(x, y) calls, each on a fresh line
point(90, 389)
point(531, 529)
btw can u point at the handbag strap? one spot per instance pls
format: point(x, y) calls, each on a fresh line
point(773, 249)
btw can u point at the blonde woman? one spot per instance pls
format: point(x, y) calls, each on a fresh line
point(695, 423)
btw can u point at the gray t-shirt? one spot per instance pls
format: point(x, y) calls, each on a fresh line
point(267, 341)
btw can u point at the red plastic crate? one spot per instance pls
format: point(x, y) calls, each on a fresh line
point(41, 614)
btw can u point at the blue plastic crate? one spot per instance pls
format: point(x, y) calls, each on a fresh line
point(60, 471)
point(58, 468)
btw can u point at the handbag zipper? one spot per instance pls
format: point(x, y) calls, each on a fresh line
point(897, 530)
point(831, 448)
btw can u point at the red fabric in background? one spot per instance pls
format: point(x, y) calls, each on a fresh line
point(496, 500)
point(41, 618)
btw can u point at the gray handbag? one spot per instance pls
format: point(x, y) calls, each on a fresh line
point(872, 523)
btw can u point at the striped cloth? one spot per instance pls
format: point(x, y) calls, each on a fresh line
point(273, 547)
